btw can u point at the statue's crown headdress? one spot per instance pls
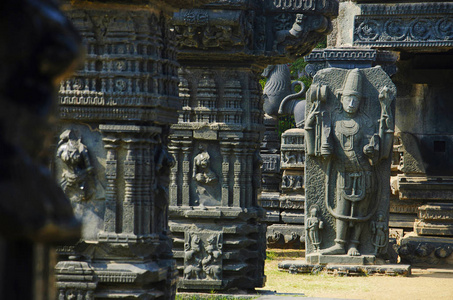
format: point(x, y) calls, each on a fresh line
point(353, 83)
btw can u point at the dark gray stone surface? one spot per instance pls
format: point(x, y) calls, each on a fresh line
point(425, 250)
point(112, 157)
point(215, 183)
point(348, 161)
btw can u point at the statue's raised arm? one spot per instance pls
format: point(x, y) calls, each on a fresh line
point(386, 124)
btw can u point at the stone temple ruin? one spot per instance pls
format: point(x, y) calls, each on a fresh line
point(412, 42)
point(218, 237)
point(138, 166)
point(160, 147)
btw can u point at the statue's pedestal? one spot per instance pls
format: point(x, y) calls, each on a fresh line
point(303, 266)
point(316, 258)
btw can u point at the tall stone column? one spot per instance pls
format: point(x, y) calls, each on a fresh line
point(112, 157)
point(219, 241)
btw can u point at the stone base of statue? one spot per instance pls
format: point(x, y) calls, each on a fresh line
point(316, 258)
point(303, 266)
point(218, 248)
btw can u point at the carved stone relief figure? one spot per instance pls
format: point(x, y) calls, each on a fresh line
point(352, 148)
point(210, 263)
point(164, 161)
point(314, 224)
point(203, 256)
point(193, 257)
point(379, 230)
point(289, 157)
point(77, 180)
point(204, 177)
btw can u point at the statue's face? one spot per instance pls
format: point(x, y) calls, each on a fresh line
point(350, 103)
point(314, 212)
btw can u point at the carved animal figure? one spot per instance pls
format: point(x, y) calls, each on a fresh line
point(279, 95)
point(278, 86)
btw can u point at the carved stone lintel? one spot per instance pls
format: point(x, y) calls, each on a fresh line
point(411, 26)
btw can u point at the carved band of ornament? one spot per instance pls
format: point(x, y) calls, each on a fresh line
point(122, 277)
point(405, 32)
point(129, 128)
point(117, 114)
point(436, 216)
point(204, 17)
point(228, 2)
point(116, 100)
point(327, 7)
point(407, 9)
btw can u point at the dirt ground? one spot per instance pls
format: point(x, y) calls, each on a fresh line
point(424, 283)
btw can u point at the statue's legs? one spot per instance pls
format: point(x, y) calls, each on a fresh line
point(361, 209)
point(343, 209)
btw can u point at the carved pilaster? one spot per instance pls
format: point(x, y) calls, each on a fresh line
point(225, 150)
point(129, 166)
point(111, 172)
point(186, 176)
point(237, 177)
point(174, 189)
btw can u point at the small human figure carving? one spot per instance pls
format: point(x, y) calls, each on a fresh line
point(164, 162)
point(77, 174)
point(380, 237)
point(211, 263)
point(201, 171)
point(192, 257)
point(314, 224)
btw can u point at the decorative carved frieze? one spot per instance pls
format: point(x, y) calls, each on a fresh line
point(405, 25)
point(349, 58)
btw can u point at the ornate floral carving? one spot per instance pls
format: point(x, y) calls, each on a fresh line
point(405, 25)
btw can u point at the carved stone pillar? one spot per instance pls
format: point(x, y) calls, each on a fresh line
point(224, 46)
point(112, 157)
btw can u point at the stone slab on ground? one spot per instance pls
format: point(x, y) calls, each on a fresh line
point(426, 250)
point(316, 258)
point(301, 266)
